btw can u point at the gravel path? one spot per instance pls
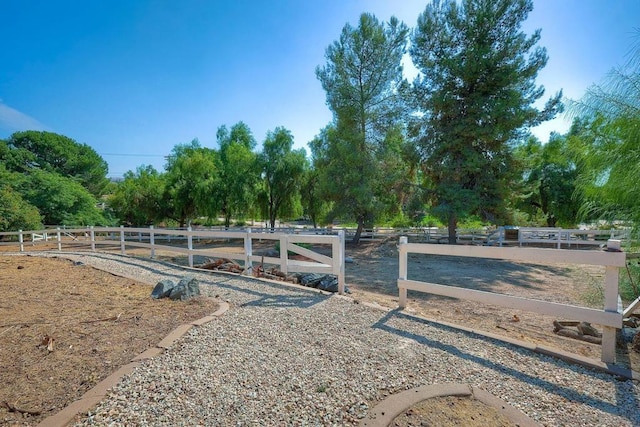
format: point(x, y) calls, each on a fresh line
point(290, 356)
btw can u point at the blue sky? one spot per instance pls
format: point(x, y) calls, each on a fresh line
point(134, 78)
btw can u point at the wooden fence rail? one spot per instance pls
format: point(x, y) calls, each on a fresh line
point(610, 317)
point(138, 237)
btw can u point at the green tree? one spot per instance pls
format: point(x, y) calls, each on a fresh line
point(608, 143)
point(139, 199)
point(476, 96)
point(59, 199)
point(192, 179)
point(313, 205)
point(15, 212)
point(549, 177)
point(282, 170)
point(57, 153)
point(239, 171)
point(364, 86)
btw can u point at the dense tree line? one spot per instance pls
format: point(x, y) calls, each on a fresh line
point(453, 145)
point(47, 178)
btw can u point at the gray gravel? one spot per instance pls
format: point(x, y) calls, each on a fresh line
point(290, 356)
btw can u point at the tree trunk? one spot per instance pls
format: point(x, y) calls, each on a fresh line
point(356, 237)
point(453, 223)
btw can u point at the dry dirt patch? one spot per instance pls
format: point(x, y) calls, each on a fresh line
point(373, 277)
point(65, 327)
point(451, 411)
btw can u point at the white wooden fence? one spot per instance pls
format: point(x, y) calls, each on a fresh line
point(610, 317)
point(568, 237)
point(146, 238)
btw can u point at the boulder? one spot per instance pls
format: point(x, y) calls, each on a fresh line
point(329, 284)
point(325, 282)
point(311, 280)
point(186, 288)
point(162, 289)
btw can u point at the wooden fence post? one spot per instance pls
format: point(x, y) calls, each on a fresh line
point(92, 234)
point(152, 242)
point(21, 240)
point(190, 245)
point(402, 253)
point(248, 251)
point(122, 240)
point(611, 296)
point(284, 257)
point(341, 261)
point(59, 239)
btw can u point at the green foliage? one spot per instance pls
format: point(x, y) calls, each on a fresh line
point(549, 190)
point(60, 200)
point(400, 221)
point(192, 179)
point(629, 284)
point(16, 213)
point(607, 143)
point(58, 154)
point(282, 169)
point(476, 94)
point(138, 200)
point(314, 207)
point(364, 87)
point(52, 179)
point(431, 221)
point(239, 171)
point(302, 245)
point(472, 222)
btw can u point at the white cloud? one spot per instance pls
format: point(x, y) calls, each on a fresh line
point(12, 120)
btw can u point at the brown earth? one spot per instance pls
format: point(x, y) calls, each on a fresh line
point(76, 306)
point(451, 411)
point(65, 327)
point(374, 272)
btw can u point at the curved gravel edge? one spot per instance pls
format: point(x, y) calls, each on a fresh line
point(286, 356)
point(386, 411)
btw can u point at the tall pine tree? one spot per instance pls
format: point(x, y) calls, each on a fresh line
point(476, 94)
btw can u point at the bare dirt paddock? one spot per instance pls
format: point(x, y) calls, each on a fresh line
point(374, 273)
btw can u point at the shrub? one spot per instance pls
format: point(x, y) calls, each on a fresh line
point(629, 282)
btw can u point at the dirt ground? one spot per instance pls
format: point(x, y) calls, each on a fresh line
point(100, 321)
point(373, 274)
point(65, 327)
point(451, 411)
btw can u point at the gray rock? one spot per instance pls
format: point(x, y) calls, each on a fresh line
point(272, 253)
point(329, 283)
point(311, 280)
point(325, 282)
point(162, 289)
point(188, 287)
point(348, 260)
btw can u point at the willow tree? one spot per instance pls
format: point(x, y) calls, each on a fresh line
point(192, 178)
point(476, 95)
point(364, 85)
point(282, 171)
point(608, 144)
point(239, 171)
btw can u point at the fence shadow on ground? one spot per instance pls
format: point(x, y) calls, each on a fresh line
point(624, 389)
